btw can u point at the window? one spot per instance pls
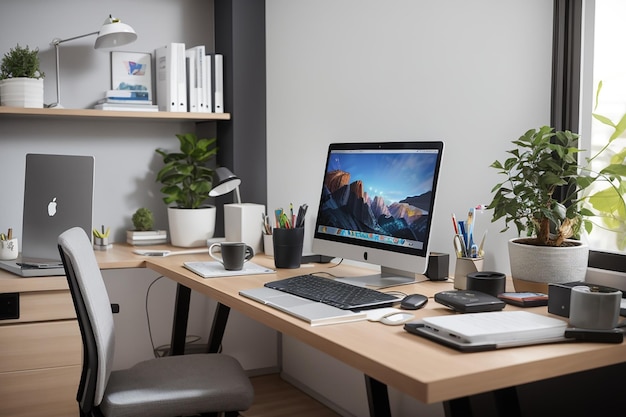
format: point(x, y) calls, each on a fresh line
point(604, 61)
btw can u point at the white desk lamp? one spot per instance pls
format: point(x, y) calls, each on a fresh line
point(242, 221)
point(112, 34)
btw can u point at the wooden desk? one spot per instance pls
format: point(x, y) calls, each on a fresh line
point(418, 367)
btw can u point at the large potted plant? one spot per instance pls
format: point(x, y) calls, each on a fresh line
point(540, 196)
point(552, 198)
point(187, 180)
point(21, 80)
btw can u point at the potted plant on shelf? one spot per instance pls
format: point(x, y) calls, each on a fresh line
point(21, 80)
point(187, 180)
point(543, 162)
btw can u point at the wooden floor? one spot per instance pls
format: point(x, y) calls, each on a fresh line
point(274, 397)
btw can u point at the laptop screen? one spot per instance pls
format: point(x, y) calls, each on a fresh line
point(58, 195)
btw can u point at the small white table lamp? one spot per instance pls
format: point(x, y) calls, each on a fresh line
point(112, 34)
point(242, 221)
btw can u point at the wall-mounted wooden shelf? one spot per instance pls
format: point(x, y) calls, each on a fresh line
point(104, 114)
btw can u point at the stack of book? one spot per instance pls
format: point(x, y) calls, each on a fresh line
point(126, 100)
point(149, 237)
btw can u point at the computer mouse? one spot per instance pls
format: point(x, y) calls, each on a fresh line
point(413, 301)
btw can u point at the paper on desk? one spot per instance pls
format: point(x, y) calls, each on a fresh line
point(215, 269)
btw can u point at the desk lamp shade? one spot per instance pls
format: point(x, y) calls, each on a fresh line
point(225, 182)
point(114, 33)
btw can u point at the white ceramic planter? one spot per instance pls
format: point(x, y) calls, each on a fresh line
point(22, 92)
point(191, 227)
point(533, 267)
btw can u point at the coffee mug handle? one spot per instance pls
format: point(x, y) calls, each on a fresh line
point(213, 256)
point(249, 253)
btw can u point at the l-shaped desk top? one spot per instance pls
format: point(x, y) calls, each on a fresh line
point(418, 367)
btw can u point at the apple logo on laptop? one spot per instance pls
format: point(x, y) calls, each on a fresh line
point(52, 207)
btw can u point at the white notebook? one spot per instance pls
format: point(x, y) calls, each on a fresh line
point(215, 269)
point(490, 330)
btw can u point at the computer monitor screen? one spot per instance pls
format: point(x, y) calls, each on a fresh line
point(376, 207)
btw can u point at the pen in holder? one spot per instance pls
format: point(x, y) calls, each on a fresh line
point(101, 239)
point(465, 266)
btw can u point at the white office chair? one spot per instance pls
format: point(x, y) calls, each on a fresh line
point(205, 384)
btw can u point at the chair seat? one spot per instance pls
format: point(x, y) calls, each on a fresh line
point(169, 387)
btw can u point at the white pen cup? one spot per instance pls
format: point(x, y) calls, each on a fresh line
point(463, 267)
point(8, 249)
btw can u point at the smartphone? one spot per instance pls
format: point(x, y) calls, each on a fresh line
point(524, 299)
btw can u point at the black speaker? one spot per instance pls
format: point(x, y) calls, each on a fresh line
point(438, 266)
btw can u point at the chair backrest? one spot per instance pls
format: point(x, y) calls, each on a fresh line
point(93, 310)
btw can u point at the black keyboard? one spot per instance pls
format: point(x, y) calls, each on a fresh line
point(334, 293)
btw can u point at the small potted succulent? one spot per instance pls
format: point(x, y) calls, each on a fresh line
point(143, 232)
point(143, 219)
point(187, 179)
point(21, 80)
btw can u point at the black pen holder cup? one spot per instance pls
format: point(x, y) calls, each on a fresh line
point(288, 247)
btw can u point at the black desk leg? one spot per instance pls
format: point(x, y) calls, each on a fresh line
point(507, 402)
point(181, 315)
point(459, 407)
point(217, 329)
point(377, 398)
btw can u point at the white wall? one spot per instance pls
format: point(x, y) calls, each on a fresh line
point(473, 74)
point(126, 163)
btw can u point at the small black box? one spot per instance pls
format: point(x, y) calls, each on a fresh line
point(559, 296)
point(438, 266)
point(469, 301)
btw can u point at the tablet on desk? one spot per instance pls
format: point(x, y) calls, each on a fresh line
point(475, 332)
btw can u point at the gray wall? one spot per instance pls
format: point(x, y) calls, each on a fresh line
point(475, 74)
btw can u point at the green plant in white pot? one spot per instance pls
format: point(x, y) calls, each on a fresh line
point(187, 179)
point(543, 163)
point(21, 80)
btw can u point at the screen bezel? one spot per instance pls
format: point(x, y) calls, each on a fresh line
point(406, 259)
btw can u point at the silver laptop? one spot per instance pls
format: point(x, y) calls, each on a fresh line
point(58, 195)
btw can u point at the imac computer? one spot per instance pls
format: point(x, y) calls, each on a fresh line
point(376, 207)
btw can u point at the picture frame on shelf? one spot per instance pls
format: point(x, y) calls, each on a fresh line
point(131, 71)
